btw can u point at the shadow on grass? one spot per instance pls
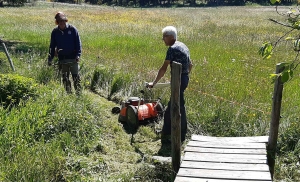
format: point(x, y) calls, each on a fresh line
point(14, 46)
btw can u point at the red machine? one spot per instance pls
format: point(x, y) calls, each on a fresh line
point(136, 110)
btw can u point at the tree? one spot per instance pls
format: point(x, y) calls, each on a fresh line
point(293, 23)
point(16, 2)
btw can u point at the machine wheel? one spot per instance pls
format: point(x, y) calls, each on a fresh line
point(160, 109)
point(132, 117)
point(116, 110)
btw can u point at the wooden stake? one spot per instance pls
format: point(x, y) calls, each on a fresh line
point(275, 117)
point(175, 117)
point(7, 55)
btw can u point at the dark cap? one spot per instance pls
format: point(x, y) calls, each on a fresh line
point(60, 16)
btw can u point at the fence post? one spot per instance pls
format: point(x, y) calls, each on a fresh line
point(175, 117)
point(275, 117)
point(7, 55)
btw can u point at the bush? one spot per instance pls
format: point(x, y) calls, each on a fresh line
point(113, 85)
point(101, 79)
point(120, 86)
point(16, 2)
point(14, 88)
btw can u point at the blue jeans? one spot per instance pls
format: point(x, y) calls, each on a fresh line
point(167, 116)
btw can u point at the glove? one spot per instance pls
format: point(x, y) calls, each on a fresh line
point(150, 85)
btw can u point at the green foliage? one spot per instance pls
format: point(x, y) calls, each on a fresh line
point(102, 78)
point(229, 93)
point(222, 119)
point(44, 73)
point(275, 1)
point(289, 139)
point(4, 63)
point(158, 170)
point(14, 88)
point(120, 86)
point(16, 2)
point(286, 72)
point(288, 147)
point(266, 50)
point(40, 141)
point(111, 84)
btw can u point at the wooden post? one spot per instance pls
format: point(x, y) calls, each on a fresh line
point(175, 117)
point(275, 117)
point(7, 55)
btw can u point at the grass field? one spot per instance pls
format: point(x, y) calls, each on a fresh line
point(230, 92)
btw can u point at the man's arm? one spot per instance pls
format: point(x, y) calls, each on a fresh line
point(51, 48)
point(161, 72)
point(77, 44)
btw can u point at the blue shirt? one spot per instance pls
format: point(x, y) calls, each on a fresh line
point(180, 53)
point(66, 41)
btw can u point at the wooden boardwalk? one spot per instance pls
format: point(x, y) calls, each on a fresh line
point(225, 159)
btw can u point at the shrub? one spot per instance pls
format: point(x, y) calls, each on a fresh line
point(16, 2)
point(101, 79)
point(14, 88)
point(120, 86)
point(113, 85)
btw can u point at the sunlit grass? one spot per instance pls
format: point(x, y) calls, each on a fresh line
point(230, 92)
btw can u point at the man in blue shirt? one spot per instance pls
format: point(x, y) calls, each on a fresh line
point(66, 44)
point(180, 53)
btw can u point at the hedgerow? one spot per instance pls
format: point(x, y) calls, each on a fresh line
point(14, 88)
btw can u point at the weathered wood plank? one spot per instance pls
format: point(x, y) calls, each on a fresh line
point(227, 145)
point(224, 174)
point(190, 179)
point(224, 166)
point(252, 139)
point(225, 151)
point(225, 159)
point(236, 158)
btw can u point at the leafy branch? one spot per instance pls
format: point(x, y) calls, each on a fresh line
point(266, 50)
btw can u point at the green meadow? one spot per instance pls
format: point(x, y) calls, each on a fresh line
point(60, 137)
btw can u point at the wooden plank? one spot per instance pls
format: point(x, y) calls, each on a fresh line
point(190, 179)
point(225, 159)
point(197, 155)
point(227, 145)
point(225, 151)
point(237, 156)
point(233, 158)
point(225, 166)
point(252, 139)
point(224, 174)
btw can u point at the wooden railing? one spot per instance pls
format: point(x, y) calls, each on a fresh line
point(176, 120)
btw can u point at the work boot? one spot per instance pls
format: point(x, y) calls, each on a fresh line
point(165, 139)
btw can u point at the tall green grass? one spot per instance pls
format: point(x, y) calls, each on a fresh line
point(230, 93)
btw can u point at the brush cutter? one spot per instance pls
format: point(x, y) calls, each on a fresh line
point(136, 110)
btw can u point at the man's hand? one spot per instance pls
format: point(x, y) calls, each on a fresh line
point(77, 59)
point(150, 85)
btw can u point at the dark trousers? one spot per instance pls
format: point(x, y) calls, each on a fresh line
point(67, 66)
point(167, 116)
